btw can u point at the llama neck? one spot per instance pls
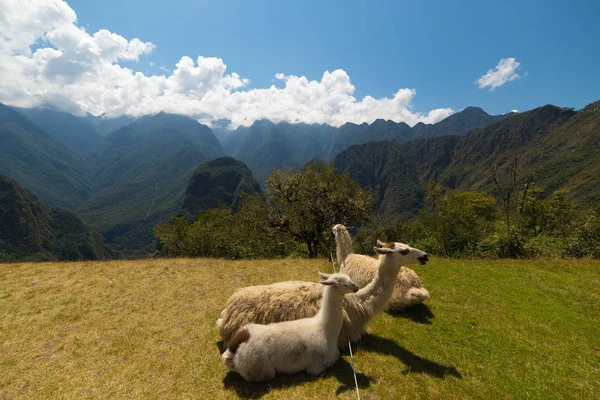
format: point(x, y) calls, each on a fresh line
point(330, 314)
point(343, 246)
point(376, 294)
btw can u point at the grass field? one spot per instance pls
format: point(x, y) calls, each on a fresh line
point(145, 329)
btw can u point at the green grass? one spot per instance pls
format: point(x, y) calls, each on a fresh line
point(145, 329)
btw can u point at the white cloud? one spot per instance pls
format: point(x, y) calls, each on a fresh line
point(504, 72)
point(46, 58)
point(514, 111)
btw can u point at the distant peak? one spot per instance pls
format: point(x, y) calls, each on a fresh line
point(472, 110)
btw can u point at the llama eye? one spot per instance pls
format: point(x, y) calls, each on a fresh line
point(404, 251)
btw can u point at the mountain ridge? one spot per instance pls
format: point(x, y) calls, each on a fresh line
point(537, 138)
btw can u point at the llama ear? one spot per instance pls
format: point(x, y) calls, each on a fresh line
point(382, 250)
point(324, 276)
point(326, 283)
point(380, 243)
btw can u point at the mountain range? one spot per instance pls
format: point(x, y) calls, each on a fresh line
point(265, 145)
point(126, 181)
point(560, 145)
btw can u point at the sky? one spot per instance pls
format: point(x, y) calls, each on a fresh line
point(298, 61)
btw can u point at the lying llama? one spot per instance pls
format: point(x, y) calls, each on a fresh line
point(288, 301)
point(259, 352)
point(408, 290)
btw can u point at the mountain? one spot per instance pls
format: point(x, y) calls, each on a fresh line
point(266, 145)
point(221, 180)
point(141, 173)
point(561, 144)
point(457, 124)
point(76, 132)
point(104, 125)
point(30, 230)
point(344, 137)
point(571, 156)
point(42, 163)
point(464, 162)
point(381, 168)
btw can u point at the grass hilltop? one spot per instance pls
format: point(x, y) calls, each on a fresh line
point(145, 329)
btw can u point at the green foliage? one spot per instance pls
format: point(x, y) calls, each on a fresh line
point(463, 219)
point(469, 224)
point(295, 217)
point(306, 204)
point(221, 233)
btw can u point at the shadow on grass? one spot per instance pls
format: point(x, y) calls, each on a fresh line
point(418, 313)
point(341, 370)
point(414, 363)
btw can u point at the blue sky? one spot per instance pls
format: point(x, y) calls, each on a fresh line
point(438, 48)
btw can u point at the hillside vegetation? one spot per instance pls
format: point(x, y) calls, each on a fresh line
point(560, 146)
point(145, 329)
point(41, 163)
point(216, 182)
point(266, 145)
point(31, 230)
point(140, 177)
point(136, 177)
point(76, 132)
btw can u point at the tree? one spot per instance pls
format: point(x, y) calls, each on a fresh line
point(305, 204)
point(464, 219)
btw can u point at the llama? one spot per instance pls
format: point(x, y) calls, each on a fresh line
point(408, 290)
point(259, 352)
point(288, 301)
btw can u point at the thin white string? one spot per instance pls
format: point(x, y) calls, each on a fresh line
point(349, 345)
point(354, 371)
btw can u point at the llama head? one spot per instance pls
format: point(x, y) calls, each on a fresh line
point(338, 229)
point(402, 252)
point(341, 281)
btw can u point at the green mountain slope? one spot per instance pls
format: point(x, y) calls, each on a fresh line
point(266, 145)
point(566, 142)
point(41, 163)
point(382, 168)
point(76, 132)
point(457, 124)
point(31, 230)
point(104, 125)
point(141, 173)
point(221, 180)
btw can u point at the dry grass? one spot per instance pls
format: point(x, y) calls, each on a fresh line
point(145, 329)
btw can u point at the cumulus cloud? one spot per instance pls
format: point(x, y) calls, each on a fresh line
point(47, 59)
point(504, 72)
